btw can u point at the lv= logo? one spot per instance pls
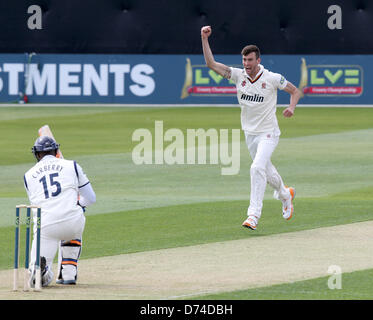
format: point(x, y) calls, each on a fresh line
point(201, 81)
point(331, 80)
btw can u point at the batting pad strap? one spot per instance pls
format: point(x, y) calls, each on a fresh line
point(66, 261)
point(72, 243)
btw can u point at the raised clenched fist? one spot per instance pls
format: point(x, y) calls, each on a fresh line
point(206, 31)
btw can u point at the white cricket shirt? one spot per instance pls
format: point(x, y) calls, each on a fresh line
point(258, 99)
point(53, 184)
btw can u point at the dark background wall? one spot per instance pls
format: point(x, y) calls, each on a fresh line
point(173, 26)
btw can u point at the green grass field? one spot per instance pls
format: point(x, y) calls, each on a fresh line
point(326, 153)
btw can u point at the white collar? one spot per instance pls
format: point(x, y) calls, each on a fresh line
point(48, 156)
point(261, 69)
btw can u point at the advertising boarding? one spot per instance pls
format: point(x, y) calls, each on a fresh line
point(175, 79)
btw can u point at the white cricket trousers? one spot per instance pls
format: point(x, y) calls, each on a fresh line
point(52, 234)
point(262, 170)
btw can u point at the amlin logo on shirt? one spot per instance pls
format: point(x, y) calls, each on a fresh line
point(331, 80)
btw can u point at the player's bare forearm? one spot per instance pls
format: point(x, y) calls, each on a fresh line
point(219, 68)
point(295, 95)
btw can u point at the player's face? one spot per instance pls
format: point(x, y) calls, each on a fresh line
point(251, 63)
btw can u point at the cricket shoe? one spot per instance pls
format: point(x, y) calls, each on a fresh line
point(43, 270)
point(287, 205)
point(46, 274)
point(61, 281)
point(65, 281)
point(250, 223)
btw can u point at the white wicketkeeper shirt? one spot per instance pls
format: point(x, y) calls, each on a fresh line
point(53, 184)
point(258, 99)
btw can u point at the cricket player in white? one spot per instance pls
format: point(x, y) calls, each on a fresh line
point(55, 185)
point(257, 96)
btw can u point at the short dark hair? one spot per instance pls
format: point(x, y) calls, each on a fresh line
point(42, 154)
point(251, 48)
